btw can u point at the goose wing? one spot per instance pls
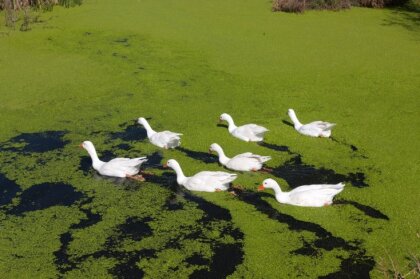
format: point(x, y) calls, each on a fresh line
point(325, 126)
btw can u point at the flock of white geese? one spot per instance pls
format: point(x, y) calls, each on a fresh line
point(315, 195)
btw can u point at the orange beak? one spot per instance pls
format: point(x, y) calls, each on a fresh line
point(80, 145)
point(165, 165)
point(210, 151)
point(261, 188)
point(220, 120)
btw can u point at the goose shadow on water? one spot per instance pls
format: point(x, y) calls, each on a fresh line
point(38, 142)
point(297, 173)
point(357, 265)
point(353, 147)
point(366, 209)
point(131, 132)
point(198, 155)
point(226, 257)
point(222, 125)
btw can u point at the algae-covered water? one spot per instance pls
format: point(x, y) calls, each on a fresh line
point(87, 73)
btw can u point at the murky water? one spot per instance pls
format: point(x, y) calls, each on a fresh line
point(35, 142)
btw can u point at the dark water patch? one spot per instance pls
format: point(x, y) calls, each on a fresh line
point(297, 173)
point(226, 258)
point(154, 161)
point(62, 261)
point(367, 210)
point(275, 147)
point(127, 268)
point(132, 132)
point(197, 259)
point(136, 228)
point(42, 196)
point(36, 142)
point(123, 146)
point(8, 190)
point(307, 249)
point(358, 265)
point(90, 220)
point(198, 155)
point(288, 123)
point(85, 165)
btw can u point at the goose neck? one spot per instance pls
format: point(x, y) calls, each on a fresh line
point(180, 177)
point(280, 195)
point(149, 130)
point(96, 162)
point(223, 159)
point(231, 124)
point(295, 120)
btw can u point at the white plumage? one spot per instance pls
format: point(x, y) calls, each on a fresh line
point(315, 195)
point(165, 139)
point(118, 167)
point(242, 162)
point(248, 132)
point(313, 129)
point(206, 181)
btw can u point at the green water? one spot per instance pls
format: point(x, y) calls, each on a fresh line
point(89, 69)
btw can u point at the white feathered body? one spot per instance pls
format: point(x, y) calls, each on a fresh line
point(316, 129)
point(246, 162)
point(120, 167)
point(209, 181)
point(316, 195)
point(249, 132)
point(166, 139)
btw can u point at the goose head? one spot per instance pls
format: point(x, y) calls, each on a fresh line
point(142, 121)
point(88, 145)
point(225, 117)
point(268, 183)
point(291, 113)
point(214, 147)
point(173, 164)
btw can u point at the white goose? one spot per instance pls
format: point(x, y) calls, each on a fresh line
point(118, 167)
point(242, 162)
point(165, 139)
point(313, 129)
point(206, 181)
point(248, 132)
point(316, 195)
